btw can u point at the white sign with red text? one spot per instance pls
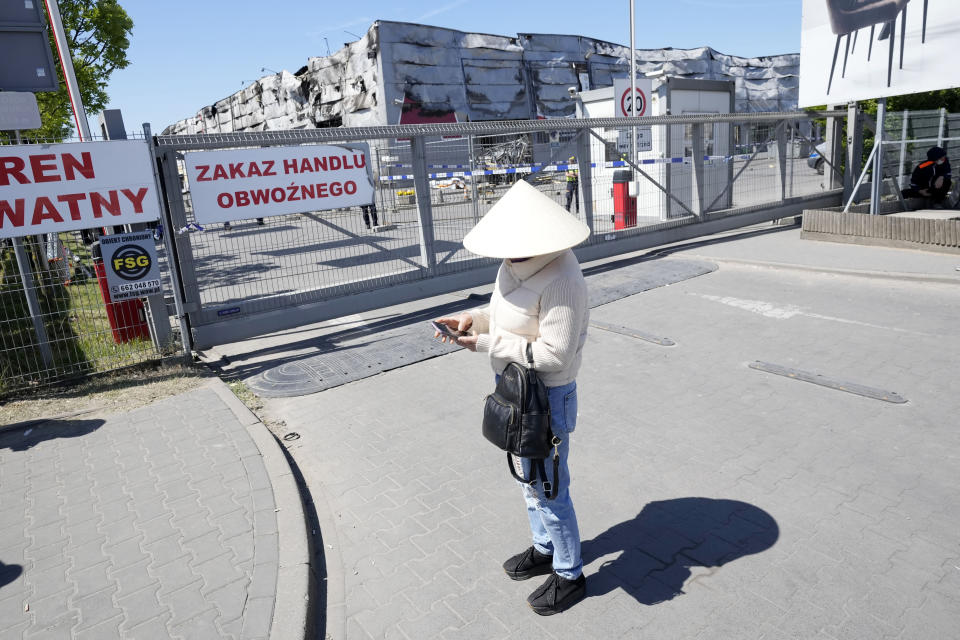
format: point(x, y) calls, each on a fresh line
point(256, 183)
point(62, 187)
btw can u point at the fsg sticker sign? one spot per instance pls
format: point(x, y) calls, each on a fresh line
point(130, 262)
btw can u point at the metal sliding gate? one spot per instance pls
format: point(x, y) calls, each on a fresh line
point(249, 277)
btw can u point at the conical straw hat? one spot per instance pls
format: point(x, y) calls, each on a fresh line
point(525, 223)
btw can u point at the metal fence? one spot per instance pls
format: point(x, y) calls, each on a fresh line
point(909, 134)
point(702, 174)
point(54, 322)
point(434, 182)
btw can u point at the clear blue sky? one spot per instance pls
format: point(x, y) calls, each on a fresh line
point(185, 55)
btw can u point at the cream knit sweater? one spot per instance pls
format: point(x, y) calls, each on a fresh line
point(543, 301)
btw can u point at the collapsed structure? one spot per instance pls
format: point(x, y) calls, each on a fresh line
point(420, 73)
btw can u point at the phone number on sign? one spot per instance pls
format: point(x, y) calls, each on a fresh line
point(137, 286)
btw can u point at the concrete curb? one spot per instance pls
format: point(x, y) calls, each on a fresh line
point(291, 607)
point(859, 273)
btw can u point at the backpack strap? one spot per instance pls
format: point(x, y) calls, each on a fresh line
point(550, 489)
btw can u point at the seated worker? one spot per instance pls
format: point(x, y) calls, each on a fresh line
point(931, 179)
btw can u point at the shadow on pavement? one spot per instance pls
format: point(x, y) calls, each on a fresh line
point(340, 340)
point(658, 548)
point(28, 436)
point(9, 573)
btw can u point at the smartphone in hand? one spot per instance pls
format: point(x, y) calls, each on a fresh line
point(447, 331)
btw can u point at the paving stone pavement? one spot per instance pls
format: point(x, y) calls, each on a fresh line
point(715, 501)
point(156, 523)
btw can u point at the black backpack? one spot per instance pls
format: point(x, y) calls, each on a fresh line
point(516, 418)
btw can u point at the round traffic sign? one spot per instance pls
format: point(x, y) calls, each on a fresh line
point(627, 105)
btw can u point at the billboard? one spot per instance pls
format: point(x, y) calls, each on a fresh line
point(49, 188)
point(255, 183)
point(861, 49)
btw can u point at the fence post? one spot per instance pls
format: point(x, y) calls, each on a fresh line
point(586, 176)
point(421, 186)
point(854, 150)
point(33, 305)
point(876, 179)
point(782, 160)
point(473, 181)
point(178, 246)
point(903, 147)
point(943, 118)
point(833, 147)
point(698, 204)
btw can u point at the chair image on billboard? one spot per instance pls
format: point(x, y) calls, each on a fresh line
point(847, 17)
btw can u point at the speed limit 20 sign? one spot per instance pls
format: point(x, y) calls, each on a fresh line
point(130, 263)
point(627, 105)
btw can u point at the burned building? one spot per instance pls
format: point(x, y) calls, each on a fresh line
point(402, 72)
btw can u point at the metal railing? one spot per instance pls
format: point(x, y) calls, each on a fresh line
point(702, 174)
point(434, 182)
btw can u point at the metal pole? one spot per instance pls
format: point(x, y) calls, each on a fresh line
point(877, 177)
point(633, 93)
point(943, 117)
point(903, 146)
point(791, 157)
point(66, 63)
point(30, 292)
point(473, 181)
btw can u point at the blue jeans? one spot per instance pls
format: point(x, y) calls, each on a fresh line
point(553, 523)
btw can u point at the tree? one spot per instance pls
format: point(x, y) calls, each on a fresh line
point(98, 35)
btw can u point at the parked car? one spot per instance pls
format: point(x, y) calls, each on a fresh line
point(815, 161)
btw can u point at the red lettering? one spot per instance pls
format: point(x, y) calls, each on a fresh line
point(336, 189)
point(40, 169)
point(290, 166)
point(319, 163)
point(306, 191)
point(202, 176)
point(72, 200)
point(335, 163)
point(70, 163)
point(253, 170)
point(15, 215)
point(350, 187)
point(278, 198)
point(136, 198)
point(260, 196)
point(269, 170)
point(361, 163)
point(99, 203)
point(225, 200)
point(346, 163)
point(12, 166)
point(43, 209)
point(305, 165)
point(243, 198)
point(219, 173)
point(236, 171)
point(322, 190)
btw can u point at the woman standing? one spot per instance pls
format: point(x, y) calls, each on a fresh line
point(540, 299)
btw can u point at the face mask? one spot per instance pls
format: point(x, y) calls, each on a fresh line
point(941, 160)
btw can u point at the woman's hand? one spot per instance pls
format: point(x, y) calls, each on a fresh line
point(468, 342)
point(461, 322)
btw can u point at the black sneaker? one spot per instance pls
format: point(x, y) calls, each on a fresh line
point(528, 564)
point(557, 594)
